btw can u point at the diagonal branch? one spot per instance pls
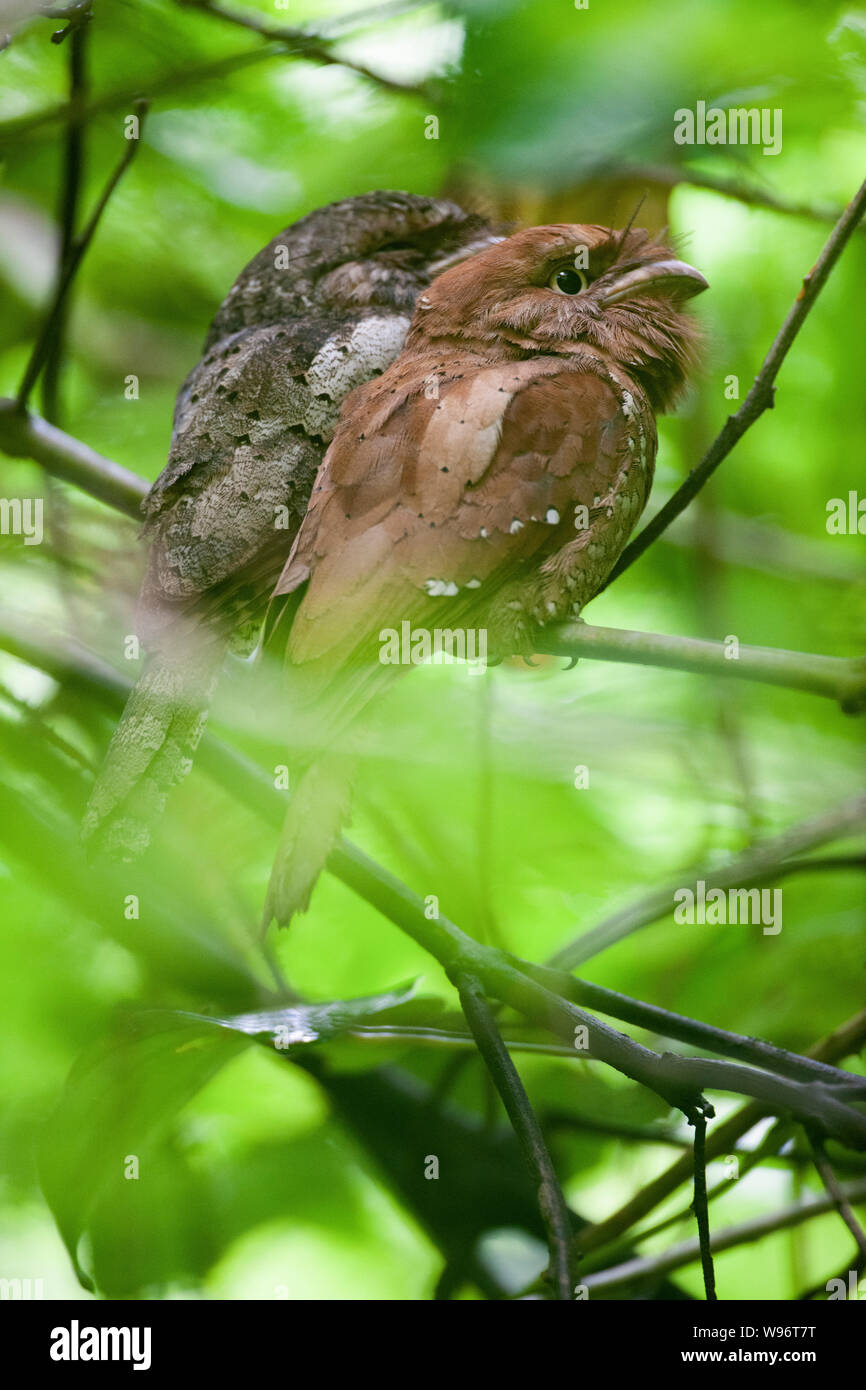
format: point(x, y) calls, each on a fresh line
point(554, 1211)
point(836, 1192)
point(688, 1251)
point(752, 194)
point(766, 860)
point(841, 1043)
point(760, 397)
point(77, 251)
point(25, 435)
point(301, 43)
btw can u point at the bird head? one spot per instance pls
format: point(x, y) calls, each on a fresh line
point(395, 244)
point(557, 289)
point(377, 250)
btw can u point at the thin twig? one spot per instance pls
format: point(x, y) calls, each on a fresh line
point(688, 1251)
point(763, 861)
point(77, 252)
point(835, 1191)
point(70, 196)
point(844, 1040)
point(673, 176)
point(300, 43)
point(702, 1215)
point(760, 397)
point(554, 1211)
point(694, 1032)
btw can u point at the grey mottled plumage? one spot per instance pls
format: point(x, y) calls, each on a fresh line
point(324, 307)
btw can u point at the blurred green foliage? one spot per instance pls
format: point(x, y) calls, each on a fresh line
point(265, 1176)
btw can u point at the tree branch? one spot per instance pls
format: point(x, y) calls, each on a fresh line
point(693, 1032)
point(554, 1211)
point(837, 678)
point(700, 1207)
point(836, 1192)
point(678, 1080)
point(25, 435)
point(70, 195)
point(842, 1042)
point(760, 397)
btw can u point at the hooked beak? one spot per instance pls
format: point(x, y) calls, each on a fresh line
point(462, 253)
point(676, 278)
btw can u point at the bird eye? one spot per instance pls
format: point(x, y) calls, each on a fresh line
point(568, 281)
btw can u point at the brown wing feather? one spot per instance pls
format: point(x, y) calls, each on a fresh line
point(421, 494)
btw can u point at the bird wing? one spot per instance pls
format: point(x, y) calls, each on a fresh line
point(251, 425)
point(431, 497)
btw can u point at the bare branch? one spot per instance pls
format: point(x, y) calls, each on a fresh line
point(77, 251)
point(701, 1209)
point(554, 1211)
point(686, 1252)
point(678, 1080)
point(300, 43)
point(836, 1192)
point(675, 175)
point(23, 435)
point(760, 397)
point(841, 1043)
point(70, 194)
point(836, 678)
point(695, 1033)
point(764, 861)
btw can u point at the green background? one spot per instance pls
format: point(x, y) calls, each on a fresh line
point(255, 1182)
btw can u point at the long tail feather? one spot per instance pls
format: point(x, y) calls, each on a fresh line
point(151, 751)
point(319, 808)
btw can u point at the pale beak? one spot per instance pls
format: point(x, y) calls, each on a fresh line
point(675, 278)
point(462, 253)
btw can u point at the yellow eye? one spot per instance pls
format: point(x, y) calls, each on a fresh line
point(568, 281)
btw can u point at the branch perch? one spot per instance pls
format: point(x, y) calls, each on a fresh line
point(26, 435)
point(837, 678)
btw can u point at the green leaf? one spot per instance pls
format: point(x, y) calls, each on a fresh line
point(309, 1023)
point(119, 1098)
point(123, 1093)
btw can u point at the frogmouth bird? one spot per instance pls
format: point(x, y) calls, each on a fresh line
point(324, 307)
point(488, 479)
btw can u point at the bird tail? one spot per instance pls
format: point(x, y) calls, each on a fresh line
point(319, 808)
point(152, 749)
